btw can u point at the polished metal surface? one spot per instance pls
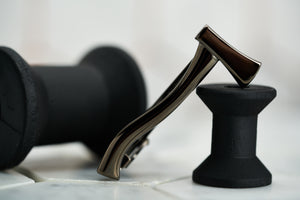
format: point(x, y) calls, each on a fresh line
point(133, 137)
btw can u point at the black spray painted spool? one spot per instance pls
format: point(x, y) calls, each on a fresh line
point(44, 105)
point(233, 162)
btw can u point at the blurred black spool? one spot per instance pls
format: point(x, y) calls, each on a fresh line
point(233, 162)
point(45, 105)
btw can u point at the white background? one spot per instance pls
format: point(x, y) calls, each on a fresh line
point(159, 34)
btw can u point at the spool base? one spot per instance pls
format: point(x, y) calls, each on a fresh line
point(232, 172)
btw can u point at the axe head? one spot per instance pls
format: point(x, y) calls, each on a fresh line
point(242, 67)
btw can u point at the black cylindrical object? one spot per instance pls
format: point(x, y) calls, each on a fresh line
point(233, 162)
point(90, 102)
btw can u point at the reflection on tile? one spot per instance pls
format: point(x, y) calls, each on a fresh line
point(74, 162)
point(283, 187)
point(81, 190)
point(64, 161)
point(11, 178)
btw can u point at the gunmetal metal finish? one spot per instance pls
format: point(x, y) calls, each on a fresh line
point(131, 139)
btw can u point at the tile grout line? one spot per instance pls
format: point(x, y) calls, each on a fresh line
point(15, 185)
point(25, 172)
point(157, 183)
point(165, 193)
point(155, 188)
point(152, 185)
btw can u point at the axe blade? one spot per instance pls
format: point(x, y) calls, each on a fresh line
point(242, 67)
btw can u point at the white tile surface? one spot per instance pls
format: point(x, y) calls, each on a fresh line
point(81, 190)
point(12, 178)
point(283, 187)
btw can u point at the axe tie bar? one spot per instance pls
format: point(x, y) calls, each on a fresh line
point(133, 137)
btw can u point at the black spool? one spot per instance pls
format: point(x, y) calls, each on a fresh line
point(233, 162)
point(90, 102)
